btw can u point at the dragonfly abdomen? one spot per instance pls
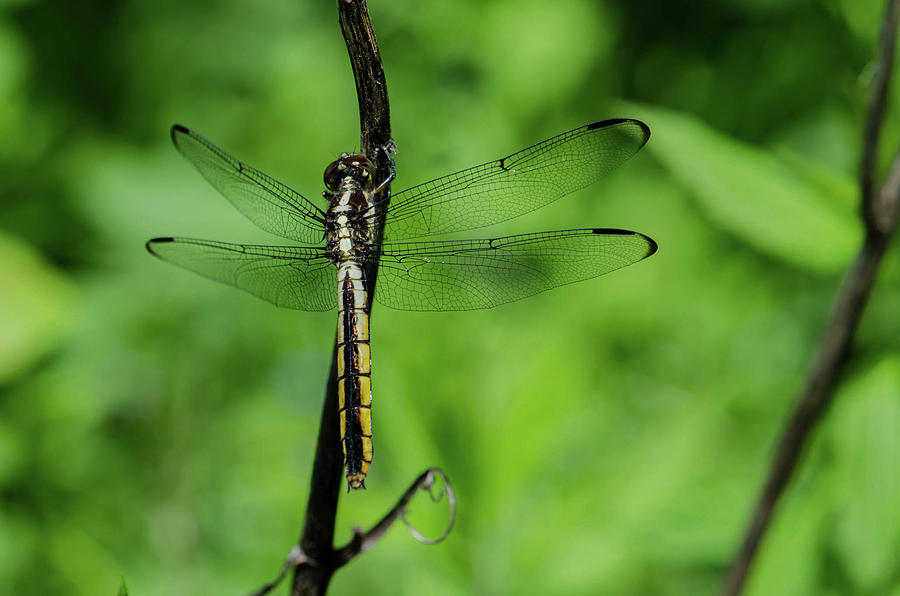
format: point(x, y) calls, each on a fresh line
point(354, 365)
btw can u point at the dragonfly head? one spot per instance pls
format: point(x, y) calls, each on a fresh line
point(355, 166)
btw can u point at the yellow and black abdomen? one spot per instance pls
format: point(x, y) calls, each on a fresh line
point(354, 364)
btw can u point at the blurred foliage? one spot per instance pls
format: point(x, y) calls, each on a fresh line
point(608, 437)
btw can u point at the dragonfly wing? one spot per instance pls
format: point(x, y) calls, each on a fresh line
point(519, 183)
point(265, 201)
point(288, 276)
point(472, 274)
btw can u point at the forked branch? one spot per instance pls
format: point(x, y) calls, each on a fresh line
point(364, 540)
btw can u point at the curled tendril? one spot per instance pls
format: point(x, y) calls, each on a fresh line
point(426, 483)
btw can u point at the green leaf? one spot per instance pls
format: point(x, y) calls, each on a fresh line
point(772, 204)
point(123, 588)
point(35, 306)
point(563, 67)
point(863, 18)
point(866, 446)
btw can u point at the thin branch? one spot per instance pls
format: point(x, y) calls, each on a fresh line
point(884, 61)
point(879, 212)
point(363, 541)
point(811, 405)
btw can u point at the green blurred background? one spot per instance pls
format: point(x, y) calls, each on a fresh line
point(605, 438)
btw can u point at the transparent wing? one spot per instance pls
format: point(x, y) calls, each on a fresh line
point(265, 201)
point(470, 274)
point(289, 276)
point(519, 183)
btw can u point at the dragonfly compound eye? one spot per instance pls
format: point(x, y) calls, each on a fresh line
point(334, 173)
point(355, 166)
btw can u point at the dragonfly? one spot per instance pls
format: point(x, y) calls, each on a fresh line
point(338, 243)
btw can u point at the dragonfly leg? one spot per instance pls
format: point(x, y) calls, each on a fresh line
point(388, 149)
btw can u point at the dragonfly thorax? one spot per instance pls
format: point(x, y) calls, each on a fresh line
point(348, 181)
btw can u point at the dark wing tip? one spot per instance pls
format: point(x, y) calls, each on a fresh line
point(653, 245)
point(150, 243)
point(652, 248)
point(614, 121)
point(176, 130)
point(610, 231)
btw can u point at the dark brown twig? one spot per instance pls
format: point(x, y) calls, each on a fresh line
point(317, 541)
point(879, 213)
point(315, 559)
